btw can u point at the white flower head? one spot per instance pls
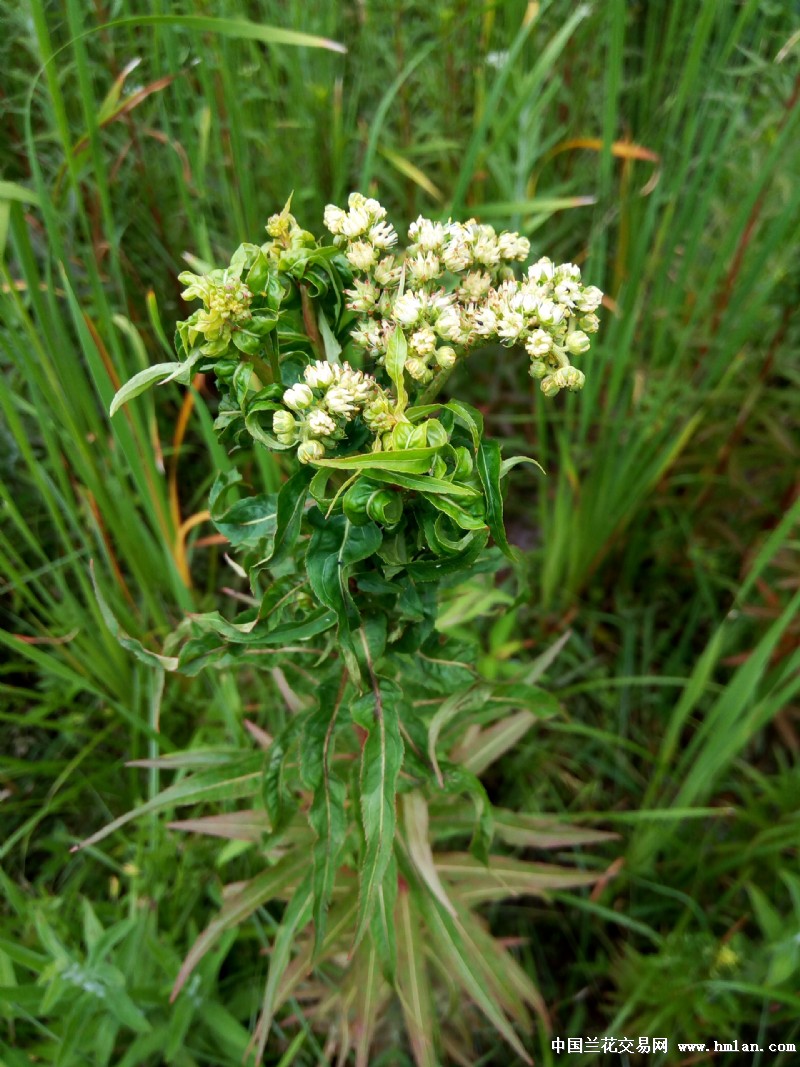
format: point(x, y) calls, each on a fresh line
point(425, 235)
point(339, 400)
point(362, 255)
point(386, 273)
point(333, 218)
point(382, 235)
point(589, 299)
point(539, 344)
point(298, 397)
point(513, 246)
point(422, 341)
point(567, 292)
point(542, 271)
point(407, 308)
point(319, 375)
point(510, 325)
point(549, 314)
point(320, 424)
point(423, 267)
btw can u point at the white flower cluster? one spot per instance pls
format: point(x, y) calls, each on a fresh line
point(320, 408)
point(363, 232)
point(453, 290)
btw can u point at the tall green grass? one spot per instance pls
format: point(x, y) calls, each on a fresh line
point(656, 146)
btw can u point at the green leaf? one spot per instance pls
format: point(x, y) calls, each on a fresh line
point(144, 655)
point(424, 483)
point(231, 27)
point(451, 954)
point(396, 355)
point(249, 520)
point(277, 795)
point(410, 460)
point(334, 547)
point(515, 461)
point(433, 570)
point(381, 759)
point(488, 462)
point(291, 505)
point(326, 815)
point(159, 373)
point(457, 779)
point(237, 779)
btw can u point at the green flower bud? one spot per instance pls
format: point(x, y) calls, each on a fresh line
point(284, 426)
point(577, 342)
point(538, 369)
point(419, 370)
point(309, 451)
point(445, 357)
point(550, 386)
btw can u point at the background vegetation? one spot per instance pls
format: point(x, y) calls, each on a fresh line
point(657, 145)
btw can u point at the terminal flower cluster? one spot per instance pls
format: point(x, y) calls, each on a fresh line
point(226, 307)
point(454, 290)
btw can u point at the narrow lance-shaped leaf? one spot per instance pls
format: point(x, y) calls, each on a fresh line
point(396, 355)
point(381, 759)
point(144, 655)
point(382, 926)
point(410, 460)
point(291, 504)
point(327, 813)
point(488, 463)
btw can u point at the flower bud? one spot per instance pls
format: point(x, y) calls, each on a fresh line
point(419, 369)
point(538, 369)
point(577, 342)
point(550, 385)
point(298, 397)
point(445, 357)
point(590, 323)
point(284, 426)
point(570, 378)
point(309, 451)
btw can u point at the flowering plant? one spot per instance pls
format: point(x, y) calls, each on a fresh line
point(335, 353)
